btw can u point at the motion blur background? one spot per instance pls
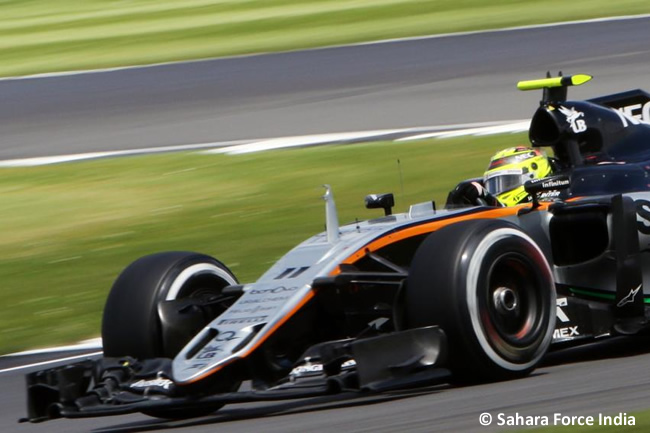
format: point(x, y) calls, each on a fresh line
point(40, 36)
point(69, 229)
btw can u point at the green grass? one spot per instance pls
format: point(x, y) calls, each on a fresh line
point(69, 229)
point(55, 35)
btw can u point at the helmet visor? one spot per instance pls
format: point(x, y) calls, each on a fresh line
point(502, 182)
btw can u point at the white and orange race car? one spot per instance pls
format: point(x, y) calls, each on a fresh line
point(475, 293)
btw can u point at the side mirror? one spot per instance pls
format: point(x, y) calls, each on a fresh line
point(536, 186)
point(381, 201)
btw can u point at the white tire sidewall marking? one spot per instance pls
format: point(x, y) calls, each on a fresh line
point(472, 304)
point(197, 269)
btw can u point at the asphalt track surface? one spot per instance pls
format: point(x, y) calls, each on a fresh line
point(436, 81)
point(609, 378)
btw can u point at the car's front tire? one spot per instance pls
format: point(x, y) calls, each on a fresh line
point(133, 324)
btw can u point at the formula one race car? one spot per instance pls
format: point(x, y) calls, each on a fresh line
point(464, 295)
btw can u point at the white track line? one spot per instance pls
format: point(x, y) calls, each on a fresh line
point(382, 41)
point(297, 141)
point(93, 344)
point(259, 145)
point(520, 126)
point(46, 160)
point(53, 361)
point(483, 128)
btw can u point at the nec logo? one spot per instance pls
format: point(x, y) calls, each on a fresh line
point(634, 114)
point(638, 111)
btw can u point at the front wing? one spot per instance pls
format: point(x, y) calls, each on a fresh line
point(112, 386)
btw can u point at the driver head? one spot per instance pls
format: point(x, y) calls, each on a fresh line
point(510, 168)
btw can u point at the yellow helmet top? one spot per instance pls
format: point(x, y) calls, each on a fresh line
point(510, 168)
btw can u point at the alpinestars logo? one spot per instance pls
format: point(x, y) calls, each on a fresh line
point(573, 119)
point(629, 298)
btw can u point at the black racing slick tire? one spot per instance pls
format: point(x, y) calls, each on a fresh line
point(131, 324)
point(488, 285)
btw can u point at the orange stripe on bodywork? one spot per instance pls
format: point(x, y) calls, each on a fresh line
point(374, 246)
point(281, 322)
point(429, 228)
point(270, 332)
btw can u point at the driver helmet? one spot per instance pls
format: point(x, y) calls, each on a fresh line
point(510, 168)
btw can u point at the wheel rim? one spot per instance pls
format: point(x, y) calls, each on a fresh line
point(511, 313)
point(515, 330)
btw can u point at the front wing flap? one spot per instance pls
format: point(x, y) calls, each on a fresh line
point(112, 386)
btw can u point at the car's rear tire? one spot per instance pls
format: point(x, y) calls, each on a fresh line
point(132, 324)
point(490, 288)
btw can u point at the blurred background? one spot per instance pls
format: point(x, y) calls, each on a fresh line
point(117, 119)
point(76, 80)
